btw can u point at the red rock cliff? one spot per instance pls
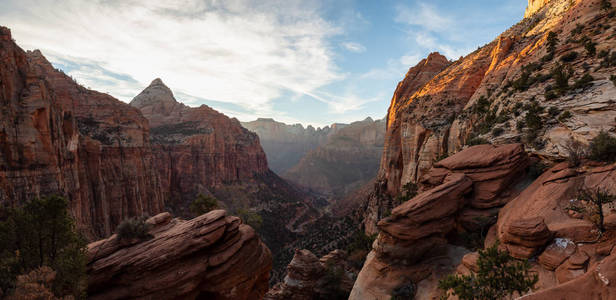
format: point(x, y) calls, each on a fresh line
point(57, 137)
point(197, 149)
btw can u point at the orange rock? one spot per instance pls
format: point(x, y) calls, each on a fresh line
point(212, 256)
point(556, 253)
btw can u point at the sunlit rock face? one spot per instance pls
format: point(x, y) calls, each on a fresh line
point(534, 6)
point(57, 137)
point(432, 112)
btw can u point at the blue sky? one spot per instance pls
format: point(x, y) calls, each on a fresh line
point(310, 62)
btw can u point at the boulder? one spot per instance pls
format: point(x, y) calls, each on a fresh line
point(213, 256)
point(525, 236)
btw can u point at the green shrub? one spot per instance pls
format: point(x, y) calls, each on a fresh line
point(251, 218)
point(613, 79)
point(584, 82)
point(603, 148)
point(569, 57)
point(576, 152)
point(561, 75)
point(404, 292)
point(497, 131)
point(578, 29)
point(499, 277)
point(591, 48)
point(550, 95)
point(535, 169)
point(133, 228)
point(476, 141)
point(564, 116)
point(203, 204)
point(595, 199)
point(553, 111)
point(42, 233)
point(606, 5)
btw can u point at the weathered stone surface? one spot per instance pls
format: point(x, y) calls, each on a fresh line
point(556, 253)
point(212, 256)
point(597, 284)
point(56, 137)
point(525, 236)
point(308, 277)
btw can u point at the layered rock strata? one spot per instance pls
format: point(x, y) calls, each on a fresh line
point(213, 256)
point(57, 137)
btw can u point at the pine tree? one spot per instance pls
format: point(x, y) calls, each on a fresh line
point(499, 277)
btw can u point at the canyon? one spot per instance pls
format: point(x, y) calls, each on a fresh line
point(473, 153)
point(331, 162)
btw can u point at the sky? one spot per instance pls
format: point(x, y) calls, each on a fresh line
point(311, 62)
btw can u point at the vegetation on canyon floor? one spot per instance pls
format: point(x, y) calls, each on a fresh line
point(41, 237)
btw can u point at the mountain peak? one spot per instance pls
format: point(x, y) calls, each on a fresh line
point(157, 81)
point(157, 93)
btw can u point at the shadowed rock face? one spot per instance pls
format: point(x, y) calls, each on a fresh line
point(212, 256)
point(197, 149)
point(57, 137)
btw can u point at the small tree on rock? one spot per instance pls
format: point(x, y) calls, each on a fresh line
point(203, 204)
point(596, 198)
point(500, 276)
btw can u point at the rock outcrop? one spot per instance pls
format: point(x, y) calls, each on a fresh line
point(344, 163)
point(479, 179)
point(213, 256)
point(534, 6)
point(57, 137)
point(309, 277)
point(500, 94)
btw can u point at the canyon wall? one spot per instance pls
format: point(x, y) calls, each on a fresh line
point(344, 163)
point(284, 144)
point(490, 94)
point(57, 137)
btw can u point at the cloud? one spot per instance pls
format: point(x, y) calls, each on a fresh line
point(428, 41)
point(354, 47)
point(425, 16)
point(241, 52)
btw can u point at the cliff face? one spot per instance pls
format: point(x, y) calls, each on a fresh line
point(197, 149)
point(286, 144)
point(507, 84)
point(212, 256)
point(57, 137)
point(534, 6)
point(345, 162)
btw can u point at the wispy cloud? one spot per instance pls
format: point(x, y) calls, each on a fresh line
point(241, 52)
point(354, 47)
point(424, 15)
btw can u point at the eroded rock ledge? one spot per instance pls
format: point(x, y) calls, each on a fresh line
point(213, 256)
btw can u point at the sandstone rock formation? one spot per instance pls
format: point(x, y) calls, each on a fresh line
point(196, 149)
point(489, 94)
point(57, 137)
point(212, 256)
point(479, 178)
point(309, 277)
point(344, 163)
point(534, 6)
point(285, 144)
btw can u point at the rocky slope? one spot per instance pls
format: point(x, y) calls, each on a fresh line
point(57, 137)
point(345, 162)
point(286, 144)
point(212, 256)
point(198, 150)
point(536, 83)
